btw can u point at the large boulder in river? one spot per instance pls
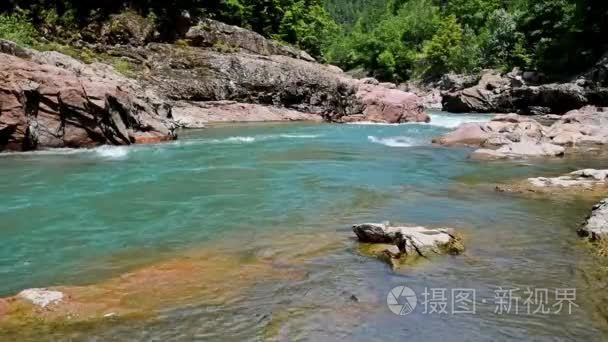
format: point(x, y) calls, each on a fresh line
point(401, 241)
point(51, 100)
point(506, 136)
point(381, 104)
point(502, 129)
point(586, 126)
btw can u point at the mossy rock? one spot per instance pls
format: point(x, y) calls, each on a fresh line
point(128, 28)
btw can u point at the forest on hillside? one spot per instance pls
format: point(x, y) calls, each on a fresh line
point(390, 39)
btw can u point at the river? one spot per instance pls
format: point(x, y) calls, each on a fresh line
point(279, 199)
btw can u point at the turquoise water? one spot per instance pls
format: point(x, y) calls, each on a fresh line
point(77, 217)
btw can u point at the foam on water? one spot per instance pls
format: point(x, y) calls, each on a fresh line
point(112, 152)
point(455, 120)
point(392, 141)
point(249, 139)
point(446, 120)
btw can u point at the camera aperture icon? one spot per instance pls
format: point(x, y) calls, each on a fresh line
point(401, 300)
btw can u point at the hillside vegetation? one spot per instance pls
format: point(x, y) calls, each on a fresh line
point(392, 40)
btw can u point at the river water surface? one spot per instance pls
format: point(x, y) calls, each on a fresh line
point(287, 194)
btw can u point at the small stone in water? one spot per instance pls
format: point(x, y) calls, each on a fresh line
point(41, 297)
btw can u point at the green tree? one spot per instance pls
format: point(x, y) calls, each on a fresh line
point(443, 53)
point(503, 44)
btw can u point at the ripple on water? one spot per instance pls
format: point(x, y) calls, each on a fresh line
point(251, 239)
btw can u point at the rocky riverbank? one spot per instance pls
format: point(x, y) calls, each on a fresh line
point(51, 100)
point(514, 136)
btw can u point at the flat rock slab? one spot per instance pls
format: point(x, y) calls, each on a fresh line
point(596, 225)
point(41, 297)
point(587, 178)
point(589, 181)
point(408, 241)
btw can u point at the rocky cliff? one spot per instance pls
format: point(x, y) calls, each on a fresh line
point(520, 92)
point(51, 100)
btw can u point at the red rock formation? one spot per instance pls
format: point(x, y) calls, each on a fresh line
point(46, 106)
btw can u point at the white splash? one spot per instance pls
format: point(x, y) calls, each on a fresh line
point(372, 123)
point(299, 136)
point(454, 120)
point(245, 140)
point(392, 141)
point(447, 120)
point(111, 152)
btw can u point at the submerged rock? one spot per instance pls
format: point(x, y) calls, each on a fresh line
point(520, 149)
point(399, 242)
point(583, 178)
point(41, 297)
point(590, 182)
point(596, 225)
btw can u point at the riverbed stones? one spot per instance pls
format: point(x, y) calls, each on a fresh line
point(398, 242)
point(595, 226)
point(41, 297)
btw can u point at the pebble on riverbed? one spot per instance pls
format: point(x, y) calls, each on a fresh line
point(41, 297)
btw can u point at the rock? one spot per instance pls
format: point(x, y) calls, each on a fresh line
point(200, 75)
point(370, 80)
point(598, 74)
point(587, 178)
point(532, 77)
point(491, 94)
point(558, 98)
point(388, 85)
point(69, 104)
point(458, 82)
point(520, 149)
point(212, 33)
point(414, 240)
point(514, 92)
point(41, 297)
point(587, 126)
point(596, 225)
point(126, 28)
point(468, 134)
point(381, 104)
point(197, 114)
point(502, 130)
point(430, 96)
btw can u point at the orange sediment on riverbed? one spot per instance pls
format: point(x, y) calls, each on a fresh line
point(211, 276)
